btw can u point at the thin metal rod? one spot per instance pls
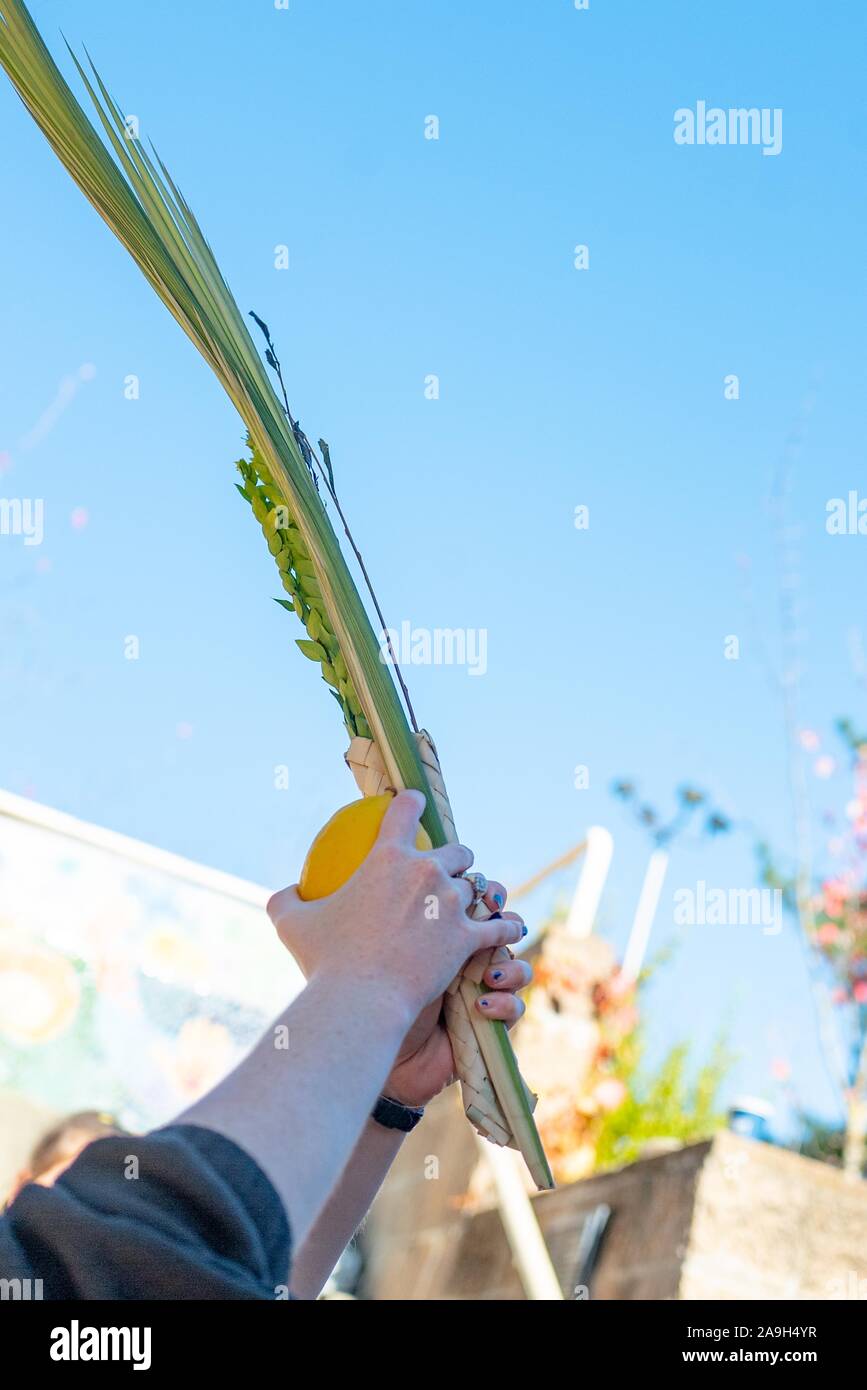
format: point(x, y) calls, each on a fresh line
point(562, 863)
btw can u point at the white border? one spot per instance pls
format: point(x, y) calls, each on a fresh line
point(46, 818)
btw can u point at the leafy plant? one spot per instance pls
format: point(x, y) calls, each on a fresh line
point(667, 1104)
point(693, 805)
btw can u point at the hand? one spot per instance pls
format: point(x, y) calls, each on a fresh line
point(424, 1064)
point(399, 928)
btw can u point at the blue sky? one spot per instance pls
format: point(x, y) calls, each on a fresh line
point(558, 388)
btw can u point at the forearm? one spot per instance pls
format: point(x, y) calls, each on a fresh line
point(345, 1209)
point(299, 1101)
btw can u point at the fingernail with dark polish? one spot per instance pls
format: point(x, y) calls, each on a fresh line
point(499, 899)
point(523, 931)
point(497, 975)
point(485, 1003)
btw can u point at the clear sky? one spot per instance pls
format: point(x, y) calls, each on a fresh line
point(559, 387)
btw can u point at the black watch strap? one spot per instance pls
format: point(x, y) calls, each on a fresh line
point(392, 1115)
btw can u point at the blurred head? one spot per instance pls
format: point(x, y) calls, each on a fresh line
point(62, 1144)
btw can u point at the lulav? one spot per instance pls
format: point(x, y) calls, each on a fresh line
point(135, 195)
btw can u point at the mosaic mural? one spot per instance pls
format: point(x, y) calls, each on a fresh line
point(123, 986)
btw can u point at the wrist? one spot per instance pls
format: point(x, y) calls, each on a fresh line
point(404, 1095)
point(377, 1004)
point(391, 1113)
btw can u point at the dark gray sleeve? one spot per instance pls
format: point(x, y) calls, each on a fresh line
point(199, 1221)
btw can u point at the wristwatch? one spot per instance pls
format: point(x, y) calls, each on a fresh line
point(391, 1114)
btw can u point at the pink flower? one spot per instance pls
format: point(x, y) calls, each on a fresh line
point(839, 996)
point(859, 992)
point(827, 934)
point(609, 1094)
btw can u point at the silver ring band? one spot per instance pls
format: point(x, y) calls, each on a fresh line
point(479, 885)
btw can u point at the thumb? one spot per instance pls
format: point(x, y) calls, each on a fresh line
point(295, 922)
point(281, 904)
point(291, 917)
point(400, 822)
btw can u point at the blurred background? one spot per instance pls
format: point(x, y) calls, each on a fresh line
point(592, 397)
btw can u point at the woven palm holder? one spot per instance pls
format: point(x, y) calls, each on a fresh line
point(466, 1029)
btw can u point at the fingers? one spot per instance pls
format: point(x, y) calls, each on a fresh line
point(508, 975)
point(400, 822)
point(499, 930)
point(495, 898)
point(455, 859)
point(506, 1007)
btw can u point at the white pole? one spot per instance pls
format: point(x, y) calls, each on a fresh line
point(645, 912)
point(527, 1243)
point(594, 871)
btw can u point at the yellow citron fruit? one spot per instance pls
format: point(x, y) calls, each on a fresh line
point(344, 843)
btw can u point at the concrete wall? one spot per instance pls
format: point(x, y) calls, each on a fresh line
point(726, 1219)
point(770, 1224)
